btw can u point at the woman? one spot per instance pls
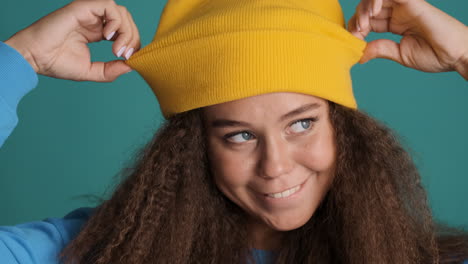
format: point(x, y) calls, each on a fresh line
point(300, 178)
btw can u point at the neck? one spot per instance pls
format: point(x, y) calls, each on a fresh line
point(263, 237)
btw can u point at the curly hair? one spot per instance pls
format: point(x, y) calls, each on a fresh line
point(169, 210)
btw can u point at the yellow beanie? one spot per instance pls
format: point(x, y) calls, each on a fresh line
point(207, 52)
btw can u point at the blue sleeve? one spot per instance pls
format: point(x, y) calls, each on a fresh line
point(41, 241)
point(17, 78)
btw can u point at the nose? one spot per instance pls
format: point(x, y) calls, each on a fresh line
point(275, 158)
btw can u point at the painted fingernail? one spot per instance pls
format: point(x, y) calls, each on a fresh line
point(110, 35)
point(121, 50)
point(129, 53)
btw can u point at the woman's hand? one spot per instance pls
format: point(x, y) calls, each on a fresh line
point(56, 45)
point(432, 40)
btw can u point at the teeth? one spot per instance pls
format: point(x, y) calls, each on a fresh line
point(285, 193)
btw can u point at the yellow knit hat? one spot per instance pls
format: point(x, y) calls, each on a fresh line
point(207, 52)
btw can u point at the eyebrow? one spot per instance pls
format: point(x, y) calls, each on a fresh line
point(297, 111)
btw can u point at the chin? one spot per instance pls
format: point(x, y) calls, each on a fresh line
point(287, 224)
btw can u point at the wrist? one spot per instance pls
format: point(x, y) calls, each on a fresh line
point(461, 66)
point(23, 51)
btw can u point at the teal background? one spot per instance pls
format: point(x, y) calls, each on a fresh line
point(73, 138)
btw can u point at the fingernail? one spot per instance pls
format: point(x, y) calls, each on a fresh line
point(121, 50)
point(357, 25)
point(110, 35)
point(129, 71)
point(129, 53)
point(370, 13)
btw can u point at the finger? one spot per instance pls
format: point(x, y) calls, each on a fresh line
point(106, 71)
point(112, 20)
point(134, 44)
point(379, 25)
point(125, 34)
point(376, 7)
point(384, 13)
point(360, 32)
point(362, 15)
point(382, 48)
point(136, 33)
point(113, 29)
point(388, 3)
point(353, 29)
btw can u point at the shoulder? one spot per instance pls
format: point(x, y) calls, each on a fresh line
point(40, 241)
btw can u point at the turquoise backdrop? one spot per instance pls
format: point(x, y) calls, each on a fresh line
point(73, 138)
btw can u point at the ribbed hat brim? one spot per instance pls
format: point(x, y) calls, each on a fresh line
point(224, 67)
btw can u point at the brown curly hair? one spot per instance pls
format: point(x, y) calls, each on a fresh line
point(168, 209)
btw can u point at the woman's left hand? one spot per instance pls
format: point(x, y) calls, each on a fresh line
point(432, 40)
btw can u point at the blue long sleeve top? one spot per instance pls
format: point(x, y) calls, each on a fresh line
point(17, 78)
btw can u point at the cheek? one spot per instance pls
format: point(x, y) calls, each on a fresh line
point(229, 171)
point(320, 153)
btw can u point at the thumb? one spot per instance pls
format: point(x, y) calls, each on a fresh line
point(107, 71)
point(382, 48)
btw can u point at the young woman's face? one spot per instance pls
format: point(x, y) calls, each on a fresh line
point(273, 155)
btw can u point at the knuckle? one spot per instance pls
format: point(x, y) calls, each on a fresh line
point(358, 7)
point(136, 44)
point(123, 9)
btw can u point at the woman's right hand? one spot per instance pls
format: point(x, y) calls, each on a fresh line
point(56, 45)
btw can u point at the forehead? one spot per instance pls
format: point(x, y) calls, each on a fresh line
point(263, 106)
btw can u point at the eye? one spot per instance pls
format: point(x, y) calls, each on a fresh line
point(302, 125)
point(239, 137)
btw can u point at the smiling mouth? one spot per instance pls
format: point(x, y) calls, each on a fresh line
point(286, 193)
